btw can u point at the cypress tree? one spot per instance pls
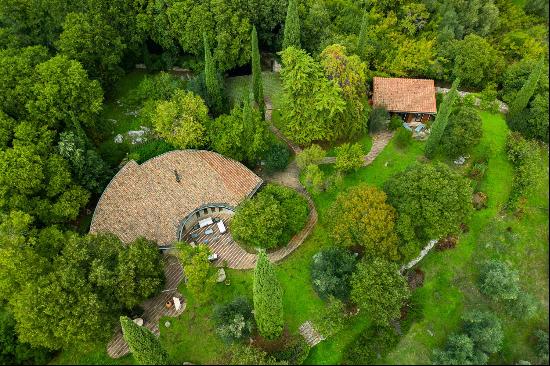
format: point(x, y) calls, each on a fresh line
point(292, 26)
point(268, 300)
point(213, 89)
point(362, 41)
point(440, 123)
point(257, 86)
point(526, 91)
point(143, 344)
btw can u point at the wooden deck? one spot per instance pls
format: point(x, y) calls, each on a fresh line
point(154, 308)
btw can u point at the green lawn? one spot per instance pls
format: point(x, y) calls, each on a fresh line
point(237, 87)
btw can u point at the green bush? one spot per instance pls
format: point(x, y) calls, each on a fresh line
point(498, 281)
point(349, 157)
point(150, 150)
point(395, 122)
point(310, 155)
point(143, 344)
point(331, 271)
point(463, 132)
point(378, 119)
point(158, 87)
point(484, 329)
point(524, 307)
point(314, 178)
point(371, 346)
point(295, 351)
point(276, 157)
point(542, 345)
point(234, 320)
point(403, 138)
point(459, 350)
point(331, 319)
point(268, 299)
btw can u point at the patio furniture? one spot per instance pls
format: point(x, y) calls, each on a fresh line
point(221, 227)
point(194, 235)
point(193, 244)
point(209, 231)
point(177, 303)
point(212, 257)
point(206, 222)
point(406, 126)
point(419, 128)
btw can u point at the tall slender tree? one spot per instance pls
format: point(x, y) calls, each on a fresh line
point(441, 120)
point(213, 88)
point(362, 40)
point(143, 344)
point(268, 299)
point(292, 26)
point(257, 87)
point(526, 92)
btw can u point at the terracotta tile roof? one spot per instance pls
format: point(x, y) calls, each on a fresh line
point(146, 200)
point(404, 95)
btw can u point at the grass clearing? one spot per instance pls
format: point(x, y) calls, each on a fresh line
point(237, 87)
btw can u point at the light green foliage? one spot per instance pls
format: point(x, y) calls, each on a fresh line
point(313, 154)
point(498, 281)
point(462, 17)
point(311, 103)
point(291, 36)
point(92, 41)
point(522, 98)
point(484, 328)
point(268, 299)
point(379, 290)
point(459, 350)
point(524, 307)
point(361, 216)
point(350, 76)
point(89, 170)
point(332, 319)
point(63, 95)
point(271, 218)
point(249, 355)
point(182, 120)
point(349, 157)
point(463, 132)
point(441, 120)
point(314, 178)
point(476, 62)
point(199, 273)
point(143, 344)
point(242, 135)
point(257, 87)
point(213, 87)
point(431, 201)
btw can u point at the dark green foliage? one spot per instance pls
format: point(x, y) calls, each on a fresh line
point(150, 150)
point(463, 132)
point(379, 289)
point(213, 86)
point(395, 123)
point(257, 87)
point(349, 157)
point(331, 319)
point(524, 307)
point(271, 218)
point(331, 271)
point(295, 351)
point(522, 98)
point(276, 157)
point(371, 345)
point(498, 281)
point(268, 299)
point(542, 345)
point(537, 7)
point(13, 352)
point(403, 138)
point(431, 201)
point(143, 344)
point(362, 39)
point(87, 167)
point(441, 120)
point(484, 328)
point(459, 350)
point(378, 119)
point(291, 36)
point(161, 86)
point(249, 355)
point(234, 320)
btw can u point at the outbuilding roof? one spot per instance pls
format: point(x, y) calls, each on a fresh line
point(404, 95)
point(148, 200)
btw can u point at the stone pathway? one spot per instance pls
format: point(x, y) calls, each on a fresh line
point(503, 107)
point(309, 333)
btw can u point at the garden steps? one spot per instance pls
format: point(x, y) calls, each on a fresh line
point(309, 333)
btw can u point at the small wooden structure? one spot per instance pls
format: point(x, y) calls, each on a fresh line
point(412, 99)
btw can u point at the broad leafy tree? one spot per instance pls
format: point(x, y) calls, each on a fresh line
point(331, 271)
point(200, 275)
point(268, 299)
point(362, 217)
point(484, 328)
point(379, 290)
point(349, 157)
point(143, 344)
point(498, 281)
point(463, 132)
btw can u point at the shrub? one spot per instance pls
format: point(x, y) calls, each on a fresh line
point(349, 157)
point(310, 155)
point(378, 119)
point(234, 321)
point(276, 157)
point(379, 289)
point(463, 132)
point(161, 86)
point(488, 99)
point(371, 345)
point(314, 178)
point(295, 351)
point(331, 271)
point(248, 355)
point(484, 329)
point(498, 281)
point(403, 138)
point(143, 344)
point(395, 122)
point(361, 216)
point(542, 345)
point(150, 150)
point(268, 299)
point(524, 307)
point(331, 319)
point(459, 350)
